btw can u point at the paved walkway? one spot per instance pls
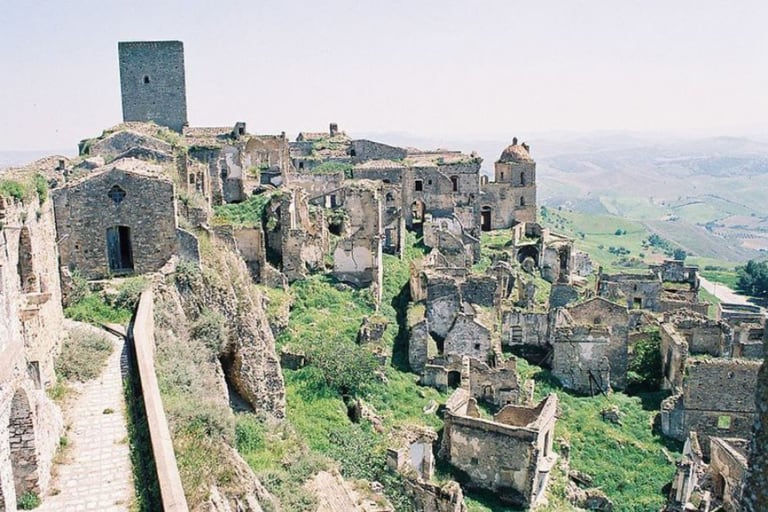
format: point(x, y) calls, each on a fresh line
point(96, 474)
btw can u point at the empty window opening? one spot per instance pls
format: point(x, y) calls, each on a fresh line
point(724, 422)
point(522, 201)
point(389, 197)
point(418, 185)
point(454, 379)
point(637, 303)
point(429, 182)
point(455, 183)
point(301, 165)
point(352, 152)
point(417, 211)
point(146, 79)
point(477, 346)
point(119, 250)
point(501, 176)
point(522, 179)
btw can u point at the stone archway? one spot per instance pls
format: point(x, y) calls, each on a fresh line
point(21, 428)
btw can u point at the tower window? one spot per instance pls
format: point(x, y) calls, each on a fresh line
point(146, 79)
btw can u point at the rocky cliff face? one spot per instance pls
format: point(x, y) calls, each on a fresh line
point(756, 485)
point(247, 347)
point(211, 331)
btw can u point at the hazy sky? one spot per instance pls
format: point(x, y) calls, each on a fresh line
point(447, 68)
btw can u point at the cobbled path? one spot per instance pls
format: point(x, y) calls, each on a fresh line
point(96, 473)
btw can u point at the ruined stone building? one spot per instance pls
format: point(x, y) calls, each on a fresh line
point(590, 346)
point(665, 287)
point(509, 454)
point(709, 486)
point(716, 399)
point(30, 336)
point(119, 219)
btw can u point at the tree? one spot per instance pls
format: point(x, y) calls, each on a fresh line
point(753, 278)
point(679, 254)
point(346, 367)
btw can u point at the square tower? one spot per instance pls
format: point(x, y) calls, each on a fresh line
point(152, 82)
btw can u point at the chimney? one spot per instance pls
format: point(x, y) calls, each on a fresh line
point(514, 141)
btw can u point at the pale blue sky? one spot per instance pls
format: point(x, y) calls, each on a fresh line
point(447, 68)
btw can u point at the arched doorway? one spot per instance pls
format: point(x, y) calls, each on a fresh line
point(119, 250)
point(485, 218)
point(21, 429)
point(528, 251)
point(417, 212)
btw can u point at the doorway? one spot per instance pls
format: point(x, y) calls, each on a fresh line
point(119, 250)
point(485, 218)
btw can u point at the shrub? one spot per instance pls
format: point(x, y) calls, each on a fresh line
point(83, 355)
point(41, 187)
point(14, 189)
point(210, 329)
point(128, 293)
point(28, 501)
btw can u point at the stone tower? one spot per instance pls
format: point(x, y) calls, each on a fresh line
point(152, 82)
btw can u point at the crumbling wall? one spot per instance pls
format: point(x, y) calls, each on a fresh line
point(498, 386)
point(443, 304)
point(468, 337)
point(30, 336)
point(510, 457)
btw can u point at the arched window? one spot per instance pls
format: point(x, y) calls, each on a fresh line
point(455, 183)
point(146, 79)
point(522, 179)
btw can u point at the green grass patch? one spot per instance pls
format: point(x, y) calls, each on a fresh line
point(249, 213)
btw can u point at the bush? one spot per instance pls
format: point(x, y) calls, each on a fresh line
point(128, 293)
point(83, 356)
point(41, 187)
point(28, 501)
point(644, 369)
point(210, 329)
point(14, 189)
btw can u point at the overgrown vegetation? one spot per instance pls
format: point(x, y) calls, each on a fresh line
point(83, 355)
point(110, 306)
point(249, 213)
point(644, 369)
point(24, 188)
point(333, 168)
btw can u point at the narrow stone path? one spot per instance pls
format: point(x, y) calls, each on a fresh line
point(96, 473)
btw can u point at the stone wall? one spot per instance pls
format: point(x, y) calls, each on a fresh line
point(717, 399)
point(467, 337)
point(641, 291)
point(591, 347)
point(363, 150)
point(520, 327)
point(30, 336)
point(131, 200)
point(152, 82)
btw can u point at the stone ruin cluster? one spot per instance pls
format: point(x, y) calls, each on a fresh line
point(329, 203)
